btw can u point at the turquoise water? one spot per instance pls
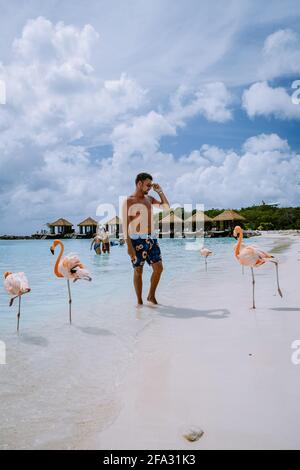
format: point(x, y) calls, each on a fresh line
point(112, 277)
point(61, 382)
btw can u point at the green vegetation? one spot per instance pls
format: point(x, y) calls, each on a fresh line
point(262, 217)
point(267, 217)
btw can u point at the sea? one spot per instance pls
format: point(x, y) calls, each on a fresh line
point(61, 383)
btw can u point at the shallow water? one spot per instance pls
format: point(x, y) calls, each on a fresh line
point(61, 382)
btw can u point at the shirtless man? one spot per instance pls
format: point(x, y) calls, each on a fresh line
point(138, 231)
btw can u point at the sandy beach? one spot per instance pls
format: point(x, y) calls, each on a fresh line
point(208, 360)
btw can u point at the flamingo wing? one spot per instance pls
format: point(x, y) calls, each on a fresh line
point(16, 284)
point(81, 273)
point(248, 256)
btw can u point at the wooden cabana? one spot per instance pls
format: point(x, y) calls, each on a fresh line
point(198, 219)
point(63, 227)
point(88, 227)
point(228, 219)
point(170, 225)
point(114, 226)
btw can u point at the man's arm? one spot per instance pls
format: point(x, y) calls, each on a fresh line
point(163, 203)
point(125, 223)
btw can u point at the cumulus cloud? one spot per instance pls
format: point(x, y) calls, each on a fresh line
point(212, 100)
point(265, 143)
point(71, 184)
point(263, 100)
point(266, 168)
point(60, 104)
point(142, 134)
point(281, 54)
point(53, 93)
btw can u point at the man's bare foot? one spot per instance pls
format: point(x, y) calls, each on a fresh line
point(139, 304)
point(152, 299)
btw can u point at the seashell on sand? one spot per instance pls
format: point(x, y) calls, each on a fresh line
point(193, 434)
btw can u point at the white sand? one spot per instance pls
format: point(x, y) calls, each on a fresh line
point(209, 360)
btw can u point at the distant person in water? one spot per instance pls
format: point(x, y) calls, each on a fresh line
point(105, 241)
point(138, 230)
point(97, 244)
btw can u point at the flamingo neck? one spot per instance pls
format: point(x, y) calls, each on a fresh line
point(56, 271)
point(238, 245)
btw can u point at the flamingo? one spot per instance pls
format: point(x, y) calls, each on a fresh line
point(16, 285)
point(69, 267)
point(252, 256)
point(205, 252)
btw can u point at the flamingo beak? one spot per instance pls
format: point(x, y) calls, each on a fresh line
point(52, 250)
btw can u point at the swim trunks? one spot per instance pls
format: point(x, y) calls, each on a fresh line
point(97, 248)
point(146, 249)
point(105, 247)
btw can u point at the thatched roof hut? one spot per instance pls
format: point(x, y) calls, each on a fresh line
point(228, 219)
point(170, 225)
point(114, 221)
point(196, 222)
point(199, 216)
point(114, 226)
point(171, 219)
point(227, 216)
point(63, 226)
point(88, 226)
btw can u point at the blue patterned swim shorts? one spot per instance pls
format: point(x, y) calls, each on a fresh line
point(146, 249)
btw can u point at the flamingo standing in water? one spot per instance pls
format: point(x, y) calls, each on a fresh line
point(69, 267)
point(16, 285)
point(205, 252)
point(252, 256)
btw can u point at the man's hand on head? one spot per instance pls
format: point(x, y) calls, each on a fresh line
point(157, 188)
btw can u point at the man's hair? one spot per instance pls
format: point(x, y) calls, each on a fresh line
point(142, 177)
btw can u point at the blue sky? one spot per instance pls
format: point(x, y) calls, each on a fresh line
point(200, 97)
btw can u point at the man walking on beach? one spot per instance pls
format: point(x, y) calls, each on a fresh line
point(139, 234)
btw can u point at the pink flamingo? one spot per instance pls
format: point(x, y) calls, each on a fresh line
point(16, 285)
point(69, 267)
point(205, 252)
point(252, 256)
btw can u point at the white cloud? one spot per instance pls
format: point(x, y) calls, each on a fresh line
point(265, 143)
point(212, 100)
point(142, 134)
point(66, 92)
point(53, 92)
point(262, 100)
point(281, 54)
point(71, 184)
point(266, 168)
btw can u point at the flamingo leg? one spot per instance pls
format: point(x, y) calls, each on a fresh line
point(12, 301)
point(19, 314)
point(205, 264)
point(243, 270)
point(277, 278)
point(70, 302)
point(253, 287)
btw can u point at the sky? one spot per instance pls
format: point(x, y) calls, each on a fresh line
point(198, 93)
